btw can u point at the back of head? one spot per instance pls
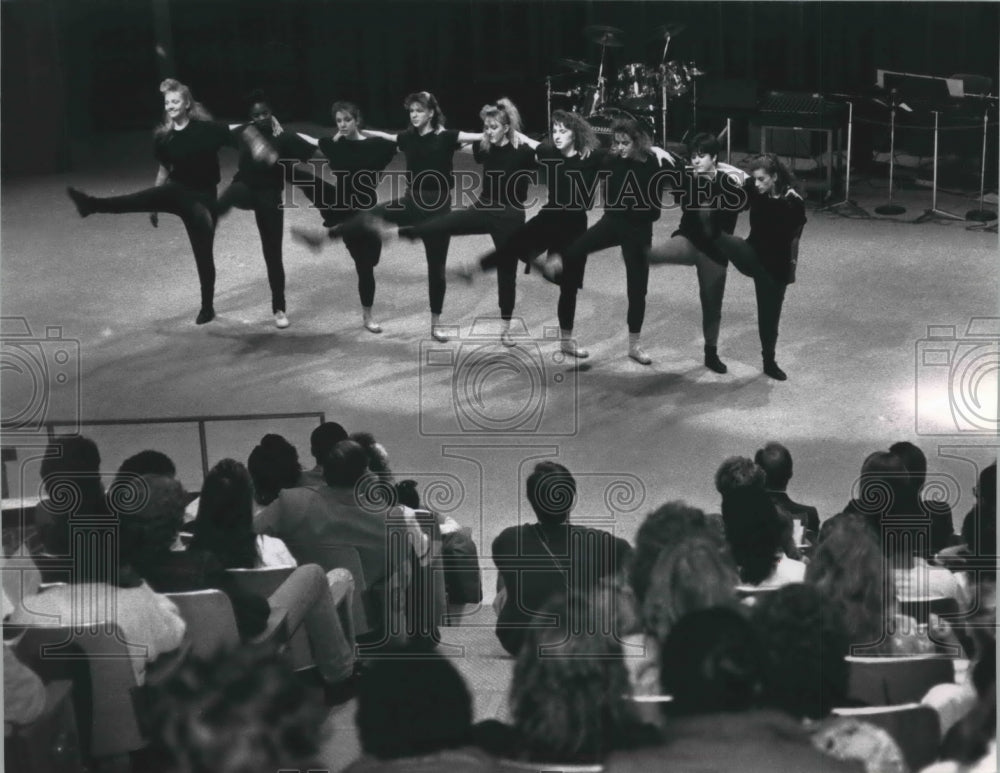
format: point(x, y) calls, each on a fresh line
point(273, 465)
point(378, 458)
point(70, 457)
point(345, 465)
point(755, 532)
point(738, 472)
point(411, 706)
point(71, 478)
point(712, 662)
point(551, 492)
point(149, 462)
point(151, 512)
point(913, 459)
point(240, 711)
point(324, 438)
point(776, 462)
point(848, 569)
point(806, 642)
point(569, 689)
point(695, 573)
point(979, 529)
point(224, 525)
point(667, 525)
point(884, 487)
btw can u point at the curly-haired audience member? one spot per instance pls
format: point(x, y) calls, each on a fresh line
point(240, 711)
point(713, 664)
point(806, 676)
point(273, 465)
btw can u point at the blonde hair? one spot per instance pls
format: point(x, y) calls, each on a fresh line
point(507, 114)
point(196, 110)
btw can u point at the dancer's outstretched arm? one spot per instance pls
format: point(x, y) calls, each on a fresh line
point(380, 135)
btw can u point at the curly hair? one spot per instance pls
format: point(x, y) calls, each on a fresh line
point(240, 711)
point(569, 693)
point(273, 465)
point(738, 472)
point(411, 706)
point(806, 642)
point(755, 532)
point(848, 569)
point(637, 132)
point(508, 115)
point(224, 525)
point(196, 110)
point(713, 661)
point(551, 492)
point(150, 509)
point(691, 574)
point(583, 133)
point(666, 525)
point(774, 167)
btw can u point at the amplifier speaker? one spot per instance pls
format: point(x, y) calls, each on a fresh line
point(788, 141)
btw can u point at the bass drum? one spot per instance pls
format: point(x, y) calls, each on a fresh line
point(602, 121)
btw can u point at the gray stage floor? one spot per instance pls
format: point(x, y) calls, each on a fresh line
point(851, 342)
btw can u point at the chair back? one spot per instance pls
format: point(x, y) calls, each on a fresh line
point(114, 727)
point(211, 621)
point(885, 681)
point(916, 729)
point(262, 581)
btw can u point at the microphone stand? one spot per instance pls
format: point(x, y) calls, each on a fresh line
point(981, 215)
point(663, 89)
point(890, 208)
point(851, 207)
point(934, 213)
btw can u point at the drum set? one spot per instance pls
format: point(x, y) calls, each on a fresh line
point(635, 91)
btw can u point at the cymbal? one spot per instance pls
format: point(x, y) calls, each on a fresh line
point(605, 36)
point(694, 70)
point(669, 30)
point(575, 65)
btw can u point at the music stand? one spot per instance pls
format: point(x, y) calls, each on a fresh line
point(981, 215)
point(934, 213)
point(851, 206)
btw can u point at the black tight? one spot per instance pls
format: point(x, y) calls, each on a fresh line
point(266, 206)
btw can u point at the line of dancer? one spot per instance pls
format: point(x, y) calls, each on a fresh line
point(630, 175)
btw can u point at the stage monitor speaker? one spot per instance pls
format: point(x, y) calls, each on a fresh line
point(788, 141)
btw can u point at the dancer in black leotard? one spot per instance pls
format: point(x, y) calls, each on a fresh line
point(258, 186)
point(187, 145)
point(508, 165)
point(355, 161)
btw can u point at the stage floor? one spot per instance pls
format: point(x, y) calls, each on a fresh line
point(468, 419)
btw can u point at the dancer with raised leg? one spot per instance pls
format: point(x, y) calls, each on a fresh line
point(258, 186)
point(429, 149)
point(711, 197)
point(187, 145)
point(355, 161)
point(508, 166)
point(563, 218)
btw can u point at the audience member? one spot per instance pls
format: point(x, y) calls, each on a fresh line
point(849, 570)
point(776, 462)
point(570, 695)
point(757, 536)
point(806, 676)
point(538, 560)
point(321, 442)
point(241, 711)
point(274, 466)
point(979, 528)
point(415, 714)
point(713, 665)
point(939, 513)
point(884, 491)
point(149, 462)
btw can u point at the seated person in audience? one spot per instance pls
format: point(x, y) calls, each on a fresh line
point(71, 478)
point(737, 474)
point(538, 560)
point(415, 714)
point(848, 568)
point(321, 442)
point(883, 491)
point(979, 527)
point(97, 591)
point(938, 513)
point(776, 462)
point(570, 695)
point(274, 466)
point(241, 711)
point(713, 665)
point(806, 676)
point(757, 535)
point(149, 462)
point(152, 531)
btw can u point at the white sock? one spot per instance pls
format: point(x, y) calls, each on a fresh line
point(633, 340)
point(504, 325)
point(366, 313)
point(435, 320)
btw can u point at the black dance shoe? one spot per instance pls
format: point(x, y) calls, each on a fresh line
point(712, 361)
point(771, 369)
point(207, 314)
point(81, 200)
